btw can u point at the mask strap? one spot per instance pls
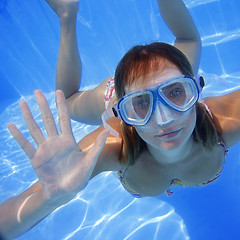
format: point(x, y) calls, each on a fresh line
point(107, 114)
point(200, 82)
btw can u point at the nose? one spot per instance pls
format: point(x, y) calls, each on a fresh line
point(163, 115)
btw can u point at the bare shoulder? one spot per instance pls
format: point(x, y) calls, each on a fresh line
point(109, 159)
point(226, 109)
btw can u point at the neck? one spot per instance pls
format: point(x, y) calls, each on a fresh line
point(172, 156)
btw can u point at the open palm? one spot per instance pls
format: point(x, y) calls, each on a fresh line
point(62, 168)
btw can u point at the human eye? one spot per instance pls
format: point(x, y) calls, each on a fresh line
point(141, 101)
point(175, 93)
point(141, 105)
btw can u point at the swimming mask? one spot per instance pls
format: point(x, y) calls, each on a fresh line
point(179, 94)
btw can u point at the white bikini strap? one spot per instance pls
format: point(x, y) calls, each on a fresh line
point(107, 114)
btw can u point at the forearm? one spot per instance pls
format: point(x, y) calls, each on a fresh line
point(181, 24)
point(21, 213)
point(68, 74)
point(178, 19)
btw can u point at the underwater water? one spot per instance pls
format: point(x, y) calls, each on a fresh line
point(106, 29)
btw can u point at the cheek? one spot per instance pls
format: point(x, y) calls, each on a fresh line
point(191, 119)
point(144, 133)
point(189, 123)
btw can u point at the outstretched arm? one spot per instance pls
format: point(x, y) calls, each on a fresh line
point(178, 19)
point(62, 168)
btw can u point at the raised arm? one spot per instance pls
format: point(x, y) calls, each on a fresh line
point(179, 21)
point(68, 74)
point(83, 106)
point(62, 168)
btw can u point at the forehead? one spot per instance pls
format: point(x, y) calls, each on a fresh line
point(153, 78)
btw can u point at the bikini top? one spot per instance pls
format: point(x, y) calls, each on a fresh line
point(174, 182)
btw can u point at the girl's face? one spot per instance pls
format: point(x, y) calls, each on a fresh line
point(167, 128)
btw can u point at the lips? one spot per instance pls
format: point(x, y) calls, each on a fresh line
point(169, 134)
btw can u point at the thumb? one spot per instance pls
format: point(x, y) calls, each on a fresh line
point(99, 144)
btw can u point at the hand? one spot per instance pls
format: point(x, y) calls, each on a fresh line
point(64, 8)
point(61, 167)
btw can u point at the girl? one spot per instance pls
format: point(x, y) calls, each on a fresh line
point(166, 135)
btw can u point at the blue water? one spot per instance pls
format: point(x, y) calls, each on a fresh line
point(29, 36)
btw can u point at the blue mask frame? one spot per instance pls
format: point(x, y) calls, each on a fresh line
point(197, 84)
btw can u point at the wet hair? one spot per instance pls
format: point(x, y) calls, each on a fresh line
point(138, 63)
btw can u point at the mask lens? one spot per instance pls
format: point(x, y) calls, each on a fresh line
point(179, 94)
point(175, 93)
point(141, 105)
point(135, 108)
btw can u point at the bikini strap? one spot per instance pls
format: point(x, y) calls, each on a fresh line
point(223, 146)
point(204, 105)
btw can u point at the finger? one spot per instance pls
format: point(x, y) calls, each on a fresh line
point(99, 144)
point(34, 130)
point(64, 120)
point(26, 146)
point(47, 116)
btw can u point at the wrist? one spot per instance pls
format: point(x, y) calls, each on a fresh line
point(53, 202)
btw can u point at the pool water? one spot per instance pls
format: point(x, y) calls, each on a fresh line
point(106, 30)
